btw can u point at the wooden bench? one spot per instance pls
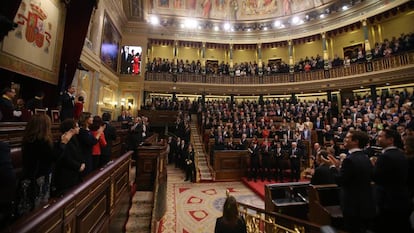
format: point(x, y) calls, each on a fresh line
point(12, 133)
point(324, 205)
point(88, 207)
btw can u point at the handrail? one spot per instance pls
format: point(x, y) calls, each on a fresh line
point(259, 220)
point(395, 61)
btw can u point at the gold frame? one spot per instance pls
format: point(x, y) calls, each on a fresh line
point(55, 116)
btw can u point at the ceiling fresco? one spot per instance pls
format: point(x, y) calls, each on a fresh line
point(233, 9)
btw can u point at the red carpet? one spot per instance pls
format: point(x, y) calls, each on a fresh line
point(259, 186)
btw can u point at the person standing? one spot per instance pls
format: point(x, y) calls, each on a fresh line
point(231, 221)
point(190, 164)
point(354, 177)
point(110, 136)
point(87, 139)
point(67, 103)
point(37, 157)
point(322, 174)
point(7, 108)
point(295, 157)
point(390, 176)
point(96, 149)
point(36, 101)
point(253, 165)
point(136, 64)
point(78, 108)
point(70, 163)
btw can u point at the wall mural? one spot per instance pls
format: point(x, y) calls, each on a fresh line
point(34, 39)
point(110, 43)
point(233, 9)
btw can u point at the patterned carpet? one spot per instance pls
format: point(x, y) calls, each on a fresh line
point(204, 171)
point(194, 207)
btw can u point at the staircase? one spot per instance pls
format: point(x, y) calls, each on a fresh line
point(140, 213)
point(204, 171)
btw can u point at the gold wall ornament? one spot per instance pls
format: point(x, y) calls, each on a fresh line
point(68, 229)
point(112, 197)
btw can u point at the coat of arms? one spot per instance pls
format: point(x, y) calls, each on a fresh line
point(34, 23)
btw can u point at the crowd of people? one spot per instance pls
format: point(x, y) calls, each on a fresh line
point(385, 49)
point(181, 150)
point(368, 139)
point(52, 166)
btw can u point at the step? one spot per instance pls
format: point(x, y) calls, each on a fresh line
point(143, 197)
point(141, 210)
point(138, 224)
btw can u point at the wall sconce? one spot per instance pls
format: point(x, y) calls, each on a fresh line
point(122, 104)
point(115, 104)
point(130, 103)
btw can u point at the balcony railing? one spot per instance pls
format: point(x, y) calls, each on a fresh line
point(396, 61)
point(261, 221)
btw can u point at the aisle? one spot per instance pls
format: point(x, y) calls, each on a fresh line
point(204, 171)
point(194, 207)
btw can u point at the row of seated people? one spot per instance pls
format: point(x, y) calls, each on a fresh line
point(54, 162)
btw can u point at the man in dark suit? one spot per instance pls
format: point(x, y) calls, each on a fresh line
point(67, 103)
point(110, 136)
point(318, 127)
point(124, 119)
point(390, 176)
point(322, 174)
point(253, 167)
point(295, 156)
point(354, 178)
point(7, 109)
point(243, 143)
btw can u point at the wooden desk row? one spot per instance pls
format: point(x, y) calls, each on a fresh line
point(88, 207)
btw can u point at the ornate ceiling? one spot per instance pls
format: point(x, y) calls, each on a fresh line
point(248, 21)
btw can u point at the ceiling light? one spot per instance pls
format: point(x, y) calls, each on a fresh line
point(295, 20)
point(265, 28)
point(190, 23)
point(277, 24)
point(216, 28)
point(154, 20)
point(322, 16)
point(226, 26)
point(344, 8)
